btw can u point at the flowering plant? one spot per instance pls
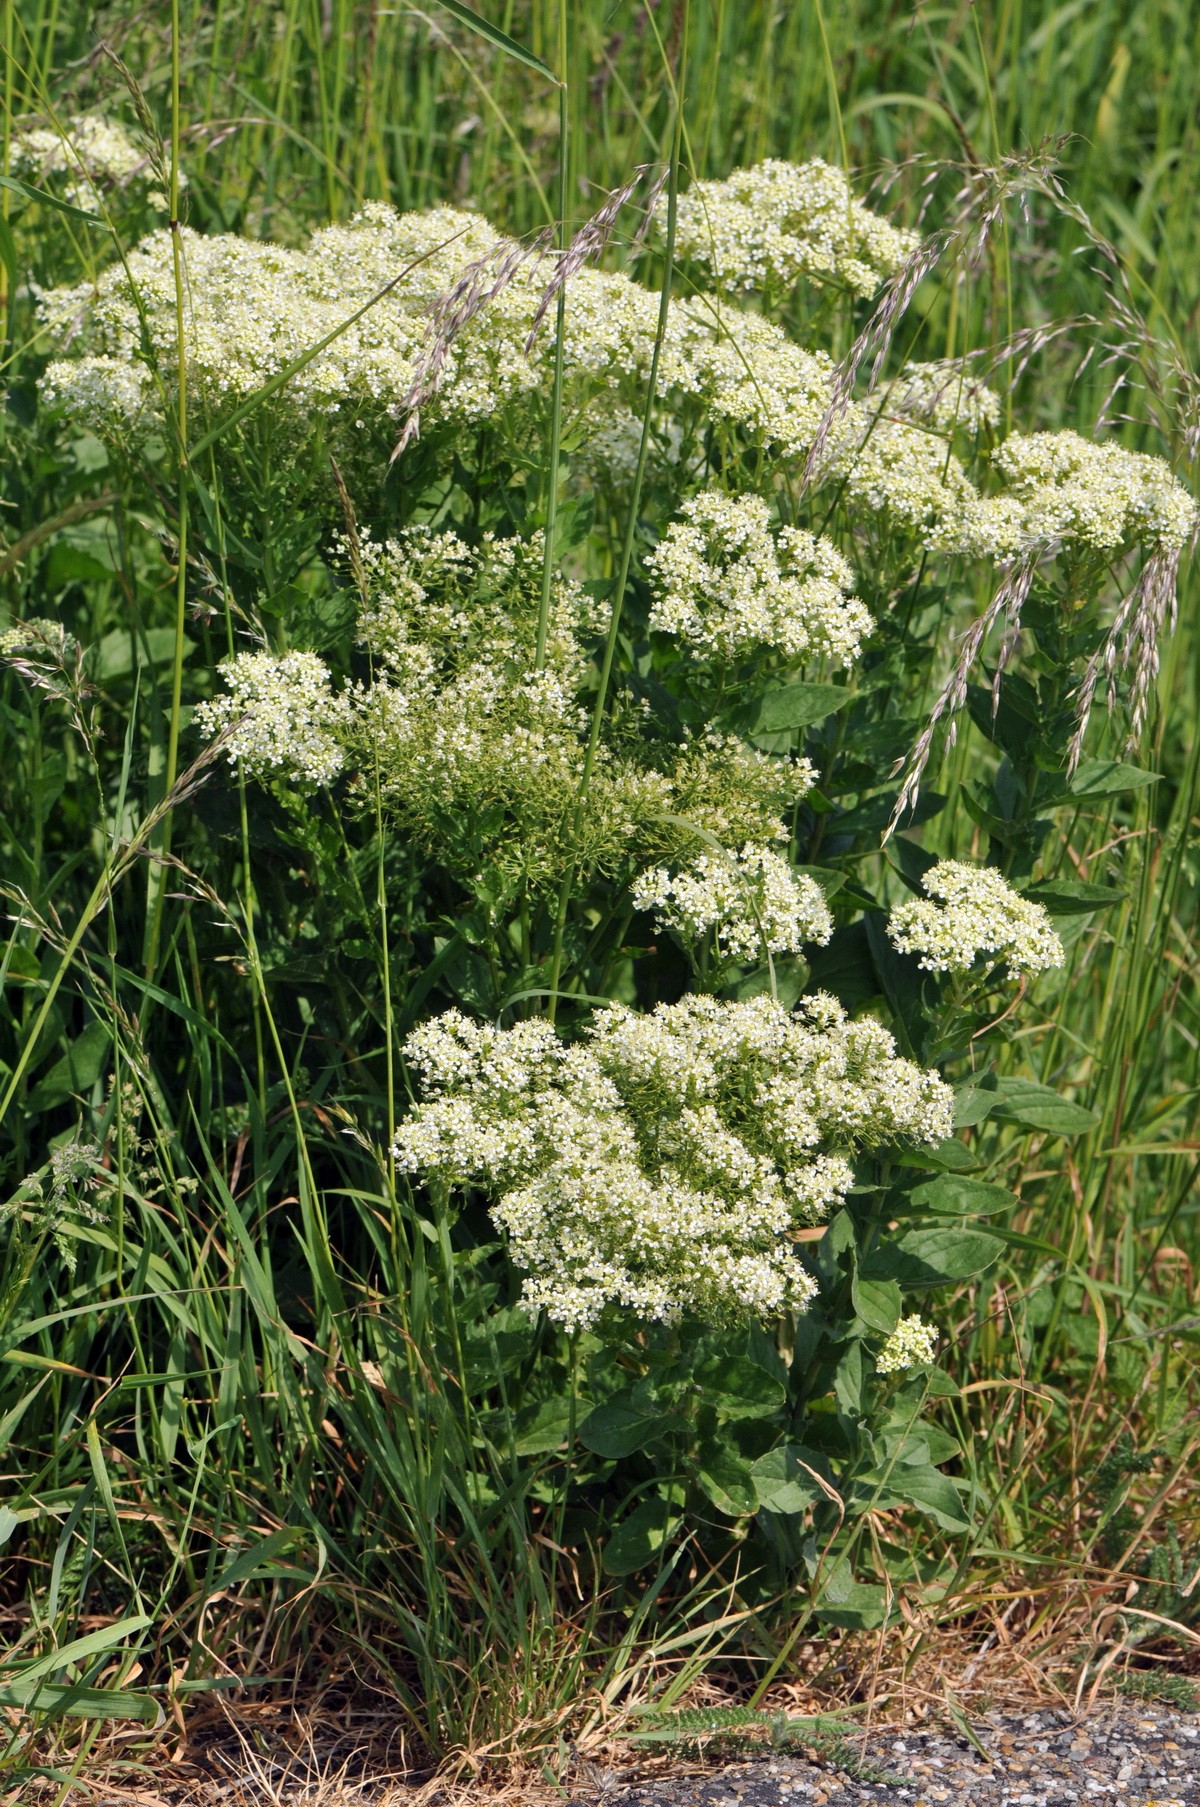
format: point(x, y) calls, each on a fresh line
point(702, 994)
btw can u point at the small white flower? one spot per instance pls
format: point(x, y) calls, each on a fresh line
point(751, 899)
point(280, 717)
point(728, 584)
point(1063, 489)
point(973, 911)
point(765, 227)
point(659, 1166)
point(912, 1344)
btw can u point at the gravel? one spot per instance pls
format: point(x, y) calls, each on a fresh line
point(1135, 1754)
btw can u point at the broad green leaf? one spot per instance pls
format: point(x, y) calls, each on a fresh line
point(618, 1426)
point(973, 1101)
point(116, 654)
point(782, 1483)
point(1072, 897)
point(953, 1194)
point(857, 1605)
point(931, 1492)
point(77, 1071)
point(1108, 778)
point(738, 1386)
point(1033, 1106)
point(797, 705)
point(878, 1303)
point(935, 1257)
point(639, 1538)
point(947, 1156)
point(848, 1378)
point(726, 1478)
point(539, 1429)
point(791, 976)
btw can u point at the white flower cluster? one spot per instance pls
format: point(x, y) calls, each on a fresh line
point(943, 392)
point(912, 1344)
point(254, 309)
point(751, 900)
point(477, 753)
point(905, 474)
point(280, 717)
point(1063, 488)
point(659, 1165)
point(976, 912)
point(728, 584)
point(763, 228)
point(94, 153)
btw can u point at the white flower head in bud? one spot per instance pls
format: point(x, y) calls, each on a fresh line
point(727, 584)
point(280, 717)
point(751, 899)
point(972, 911)
point(912, 1344)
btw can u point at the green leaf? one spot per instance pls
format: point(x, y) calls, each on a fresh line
point(973, 1101)
point(261, 1562)
point(858, 1605)
point(1033, 1106)
point(485, 29)
point(910, 860)
point(77, 1071)
point(80, 1703)
point(639, 1538)
point(931, 1492)
point(877, 1302)
point(797, 705)
point(619, 1426)
point(791, 977)
point(115, 655)
point(1072, 897)
point(739, 1387)
point(935, 1257)
point(951, 1194)
point(48, 200)
point(726, 1478)
point(848, 1379)
point(95, 1643)
point(782, 1482)
point(539, 1429)
point(947, 1156)
point(1108, 778)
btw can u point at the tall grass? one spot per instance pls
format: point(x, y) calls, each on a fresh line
point(236, 1434)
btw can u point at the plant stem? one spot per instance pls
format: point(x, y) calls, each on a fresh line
point(618, 602)
point(182, 501)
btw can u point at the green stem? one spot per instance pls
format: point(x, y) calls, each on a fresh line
point(564, 202)
point(182, 479)
point(614, 625)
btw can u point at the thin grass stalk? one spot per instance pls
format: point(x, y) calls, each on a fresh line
point(182, 495)
point(560, 316)
point(622, 582)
